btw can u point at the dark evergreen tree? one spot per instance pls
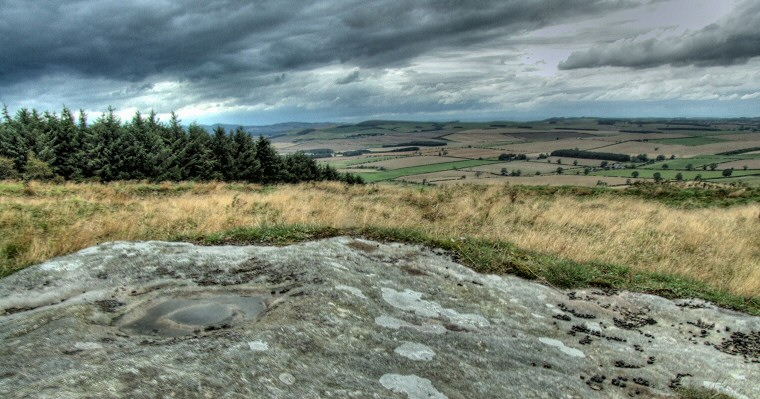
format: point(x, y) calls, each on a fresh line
point(269, 161)
point(221, 152)
point(13, 145)
point(104, 146)
point(328, 172)
point(63, 148)
point(300, 167)
point(174, 140)
point(157, 151)
point(245, 166)
point(30, 126)
point(197, 161)
point(132, 152)
point(88, 143)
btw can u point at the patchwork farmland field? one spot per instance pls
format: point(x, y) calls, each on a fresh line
point(406, 162)
point(612, 152)
point(414, 170)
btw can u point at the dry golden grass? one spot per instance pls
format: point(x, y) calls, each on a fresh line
point(719, 246)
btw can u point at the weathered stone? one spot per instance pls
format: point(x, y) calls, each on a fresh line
point(346, 318)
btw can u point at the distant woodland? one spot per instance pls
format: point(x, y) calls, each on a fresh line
point(49, 146)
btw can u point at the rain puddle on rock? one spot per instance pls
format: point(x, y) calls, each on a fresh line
point(178, 317)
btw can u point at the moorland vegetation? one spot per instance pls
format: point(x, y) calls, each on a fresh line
point(672, 241)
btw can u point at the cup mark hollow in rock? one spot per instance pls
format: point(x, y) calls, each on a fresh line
point(176, 317)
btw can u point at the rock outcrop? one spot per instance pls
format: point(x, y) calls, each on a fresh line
point(347, 318)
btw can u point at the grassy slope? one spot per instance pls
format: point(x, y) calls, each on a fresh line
point(565, 236)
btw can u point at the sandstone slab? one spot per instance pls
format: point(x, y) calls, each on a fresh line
point(347, 318)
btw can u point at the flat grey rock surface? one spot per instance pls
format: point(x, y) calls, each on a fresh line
point(347, 318)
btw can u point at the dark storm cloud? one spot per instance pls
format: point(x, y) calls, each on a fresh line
point(199, 40)
point(128, 40)
point(735, 40)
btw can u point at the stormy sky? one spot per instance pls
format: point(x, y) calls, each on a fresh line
point(260, 62)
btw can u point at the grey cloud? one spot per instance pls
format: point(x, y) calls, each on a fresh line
point(735, 40)
point(350, 78)
point(196, 40)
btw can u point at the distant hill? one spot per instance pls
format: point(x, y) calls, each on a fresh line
point(270, 130)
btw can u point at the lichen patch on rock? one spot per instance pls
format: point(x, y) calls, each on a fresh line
point(415, 351)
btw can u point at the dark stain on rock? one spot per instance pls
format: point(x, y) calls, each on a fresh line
point(414, 271)
point(13, 310)
point(619, 381)
point(623, 365)
point(675, 383)
point(574, 312)
point(108, 305)
point(362, 246)
point(596, 381)
point(633, 322)
point(691, 305)
point(562, 317)
point(641, 381)
point(702, 325)
point(747, 345)
point(581, 329)
point(455, 327)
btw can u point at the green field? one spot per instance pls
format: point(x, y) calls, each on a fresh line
point(670, 174)
point(415, 170)
point(342, 164)
point(697, 162)
point(690, 141)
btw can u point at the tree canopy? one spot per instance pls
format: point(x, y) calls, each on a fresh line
point(48, 145)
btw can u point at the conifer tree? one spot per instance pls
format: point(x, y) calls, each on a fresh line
point(88, 143)
point(174, 140)
point(104, 142)
point(269, 161)
point(132, 153)
point(328, 172)
point(245, 166)
point(196, 157)
point(221, 153)
point(63, 150)
point(12, 143)
point(301, 167)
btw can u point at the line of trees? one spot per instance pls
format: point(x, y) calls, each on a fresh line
point(51, 146)
point(740, 151)
point(591, 155)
